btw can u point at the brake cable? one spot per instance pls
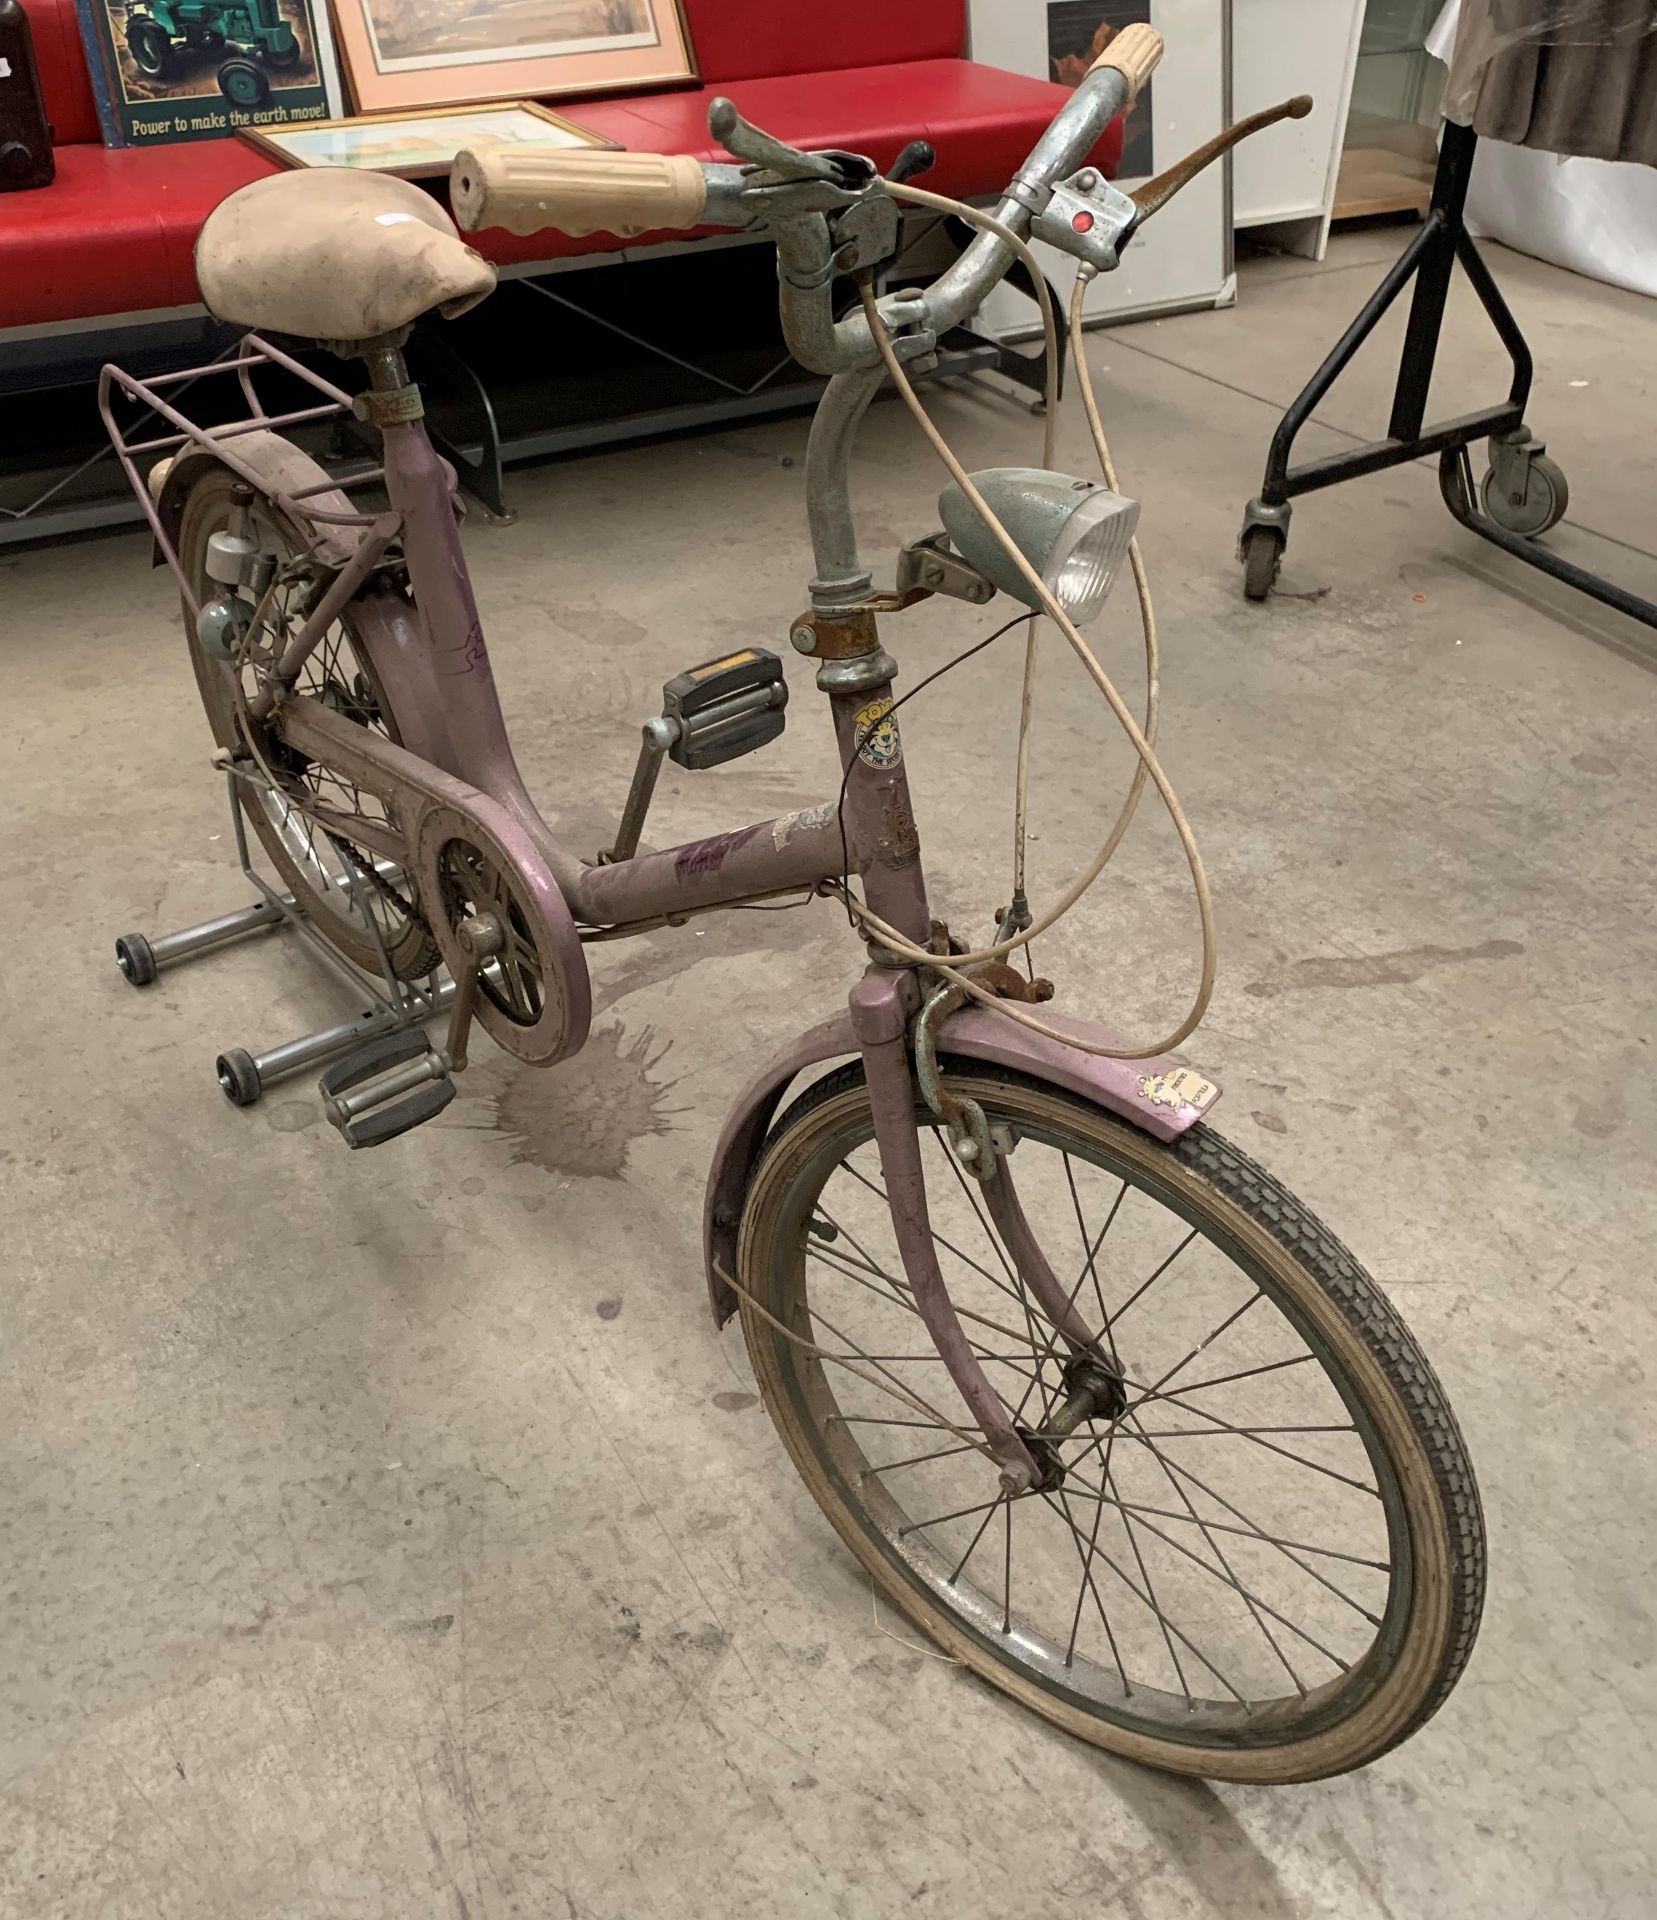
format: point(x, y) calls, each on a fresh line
point(1148, 768)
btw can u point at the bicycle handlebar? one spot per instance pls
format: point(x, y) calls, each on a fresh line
point(831, 212)
point(528, 189)
point(525, 189)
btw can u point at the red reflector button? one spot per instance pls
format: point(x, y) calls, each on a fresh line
point(1083, 222)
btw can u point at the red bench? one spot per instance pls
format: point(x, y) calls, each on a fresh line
point(115, 232)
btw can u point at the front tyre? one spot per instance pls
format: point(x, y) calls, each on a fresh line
point(1266, 1566)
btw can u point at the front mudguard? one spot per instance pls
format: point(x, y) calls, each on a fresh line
point(1162, 1096)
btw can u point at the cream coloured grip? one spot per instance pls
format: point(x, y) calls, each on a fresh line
point(1135, 52)
point(527, 189)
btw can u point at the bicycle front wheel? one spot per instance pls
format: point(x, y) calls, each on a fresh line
point(1264, 1560)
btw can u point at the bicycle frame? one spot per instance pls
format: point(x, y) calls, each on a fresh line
point(454, 771)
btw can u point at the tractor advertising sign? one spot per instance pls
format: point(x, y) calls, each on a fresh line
point(166, 70)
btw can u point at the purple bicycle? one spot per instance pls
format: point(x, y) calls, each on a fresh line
point(1098, 1405)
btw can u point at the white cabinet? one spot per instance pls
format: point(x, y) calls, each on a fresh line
point(1182, 258)
point(1287, 174)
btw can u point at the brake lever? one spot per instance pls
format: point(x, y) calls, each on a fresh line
point(1158, 192)
point(748, 142)
point(920, 156)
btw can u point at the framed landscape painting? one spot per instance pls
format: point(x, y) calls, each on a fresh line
point(415, 146)
point(400, 54)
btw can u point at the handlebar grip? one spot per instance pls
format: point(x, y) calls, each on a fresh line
point(527, 189)
point(1136, 53)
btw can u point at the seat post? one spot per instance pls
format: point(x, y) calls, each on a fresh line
point(387, 370)
point(392, 398)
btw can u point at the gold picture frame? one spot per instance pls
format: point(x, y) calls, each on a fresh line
point(399, 55)
point(417, 145)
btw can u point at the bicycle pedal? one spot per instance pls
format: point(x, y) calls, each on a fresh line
point(396, 1082)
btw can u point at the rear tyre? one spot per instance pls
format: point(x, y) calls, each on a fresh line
point(1271, 1572)
point(314, 864)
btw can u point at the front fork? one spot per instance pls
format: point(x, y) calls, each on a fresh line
point(1027, 1461)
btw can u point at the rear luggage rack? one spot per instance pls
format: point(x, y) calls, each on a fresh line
point(253, 351)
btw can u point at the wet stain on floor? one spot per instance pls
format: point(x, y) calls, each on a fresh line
point(582, 1116)
point(1398, 969)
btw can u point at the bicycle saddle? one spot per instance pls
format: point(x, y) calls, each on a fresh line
point(333, 254)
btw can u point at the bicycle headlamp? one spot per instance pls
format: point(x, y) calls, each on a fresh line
point(1073, 532)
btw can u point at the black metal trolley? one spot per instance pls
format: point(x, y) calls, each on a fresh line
point(1524, 492)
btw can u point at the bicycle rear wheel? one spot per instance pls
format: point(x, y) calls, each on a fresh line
point(1265, 1563)
point(315, 863)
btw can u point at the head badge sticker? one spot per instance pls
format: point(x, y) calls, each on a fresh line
point(877, 735)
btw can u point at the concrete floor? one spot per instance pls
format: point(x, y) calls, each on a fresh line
point(390, 1535)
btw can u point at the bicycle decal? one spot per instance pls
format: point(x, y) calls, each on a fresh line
point(877, 735)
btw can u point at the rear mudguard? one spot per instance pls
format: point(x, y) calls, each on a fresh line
point(280, 467)
point(1162, 1096)
point(385, 622)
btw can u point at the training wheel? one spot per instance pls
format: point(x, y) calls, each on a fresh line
point(238, 1077)
point(136, 959)
point(1538, 506)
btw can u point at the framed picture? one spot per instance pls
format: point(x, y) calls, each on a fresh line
point(162, 72)
point(415, 146)
point(1078, 31)
point(1182, 258)
point(400, 54)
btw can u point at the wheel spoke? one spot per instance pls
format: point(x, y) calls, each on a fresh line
point(1145, 1285)
point(949, 1246)
point(1255, 1606)
point(834, 1258)
point(1088, 1586)
point(973, 1542)
point(1213, 1433)
point(907, 1392)
point(1221, 1526)
point(1091, 1252)
point(1257, 1440)
point(1202, 1345)
point(1287, 1549)
point(1246, 1373)
point(1167, 1626)
point(960, 1513)
point(915, 1460)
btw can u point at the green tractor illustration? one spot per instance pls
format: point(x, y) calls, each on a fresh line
point(162, 33)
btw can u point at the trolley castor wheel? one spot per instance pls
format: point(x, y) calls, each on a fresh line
point(1524, 491)
point(238, 1076)
point(135, 959)
point(1262, 551)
